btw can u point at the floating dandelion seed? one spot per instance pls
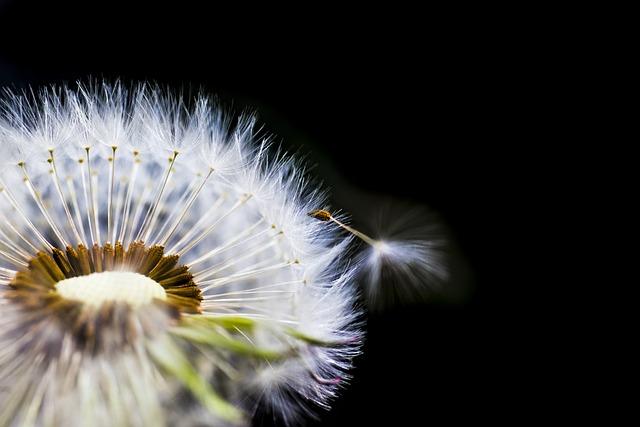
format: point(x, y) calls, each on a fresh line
point(158, 267)
point(407, 265)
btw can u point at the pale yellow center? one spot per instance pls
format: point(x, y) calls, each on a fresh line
point(97, 288)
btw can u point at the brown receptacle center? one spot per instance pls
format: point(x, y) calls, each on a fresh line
point(34, 287)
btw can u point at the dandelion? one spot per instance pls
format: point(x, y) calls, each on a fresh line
point(158, 266)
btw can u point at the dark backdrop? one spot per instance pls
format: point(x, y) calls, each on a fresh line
point(388, 102)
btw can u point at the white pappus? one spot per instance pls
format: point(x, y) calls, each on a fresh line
point(407, 261)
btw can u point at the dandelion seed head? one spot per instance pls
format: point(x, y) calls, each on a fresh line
point(158, 266)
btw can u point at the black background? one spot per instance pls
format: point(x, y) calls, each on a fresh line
point(408, 103)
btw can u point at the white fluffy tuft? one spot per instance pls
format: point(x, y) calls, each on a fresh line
point(407, 262)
